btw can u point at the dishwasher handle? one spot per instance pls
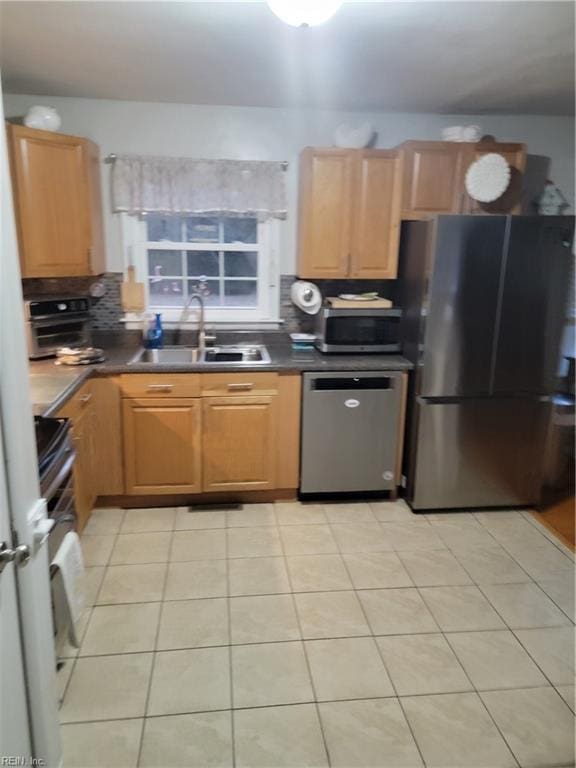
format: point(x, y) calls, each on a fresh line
point(352, 383)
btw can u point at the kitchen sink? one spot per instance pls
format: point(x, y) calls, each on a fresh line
point(232, 354)
point(167, 355)
point(247, 354)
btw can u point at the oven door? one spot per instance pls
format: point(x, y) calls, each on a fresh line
point(359, 330)
point(46, 336)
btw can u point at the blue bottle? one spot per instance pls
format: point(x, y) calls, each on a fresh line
point(155, 334)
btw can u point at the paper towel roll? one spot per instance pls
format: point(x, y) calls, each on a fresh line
point(306, 297)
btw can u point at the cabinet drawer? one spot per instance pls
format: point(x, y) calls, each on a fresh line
point(75, 406)
point(160, 385)
point(226, 384)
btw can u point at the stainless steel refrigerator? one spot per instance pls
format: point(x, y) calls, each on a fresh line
point(484, 301)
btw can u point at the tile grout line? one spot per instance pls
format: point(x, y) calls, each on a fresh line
point(381, 656)
point(479, 697)
point(155, 652)
point(535, 661)
point(230, 662)
point(309, 702)
point(307, 660)
point(518, 564)
point(90, 613)
point(437, 631)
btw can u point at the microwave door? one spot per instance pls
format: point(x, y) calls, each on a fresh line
point(48, 335)
point(359, 331)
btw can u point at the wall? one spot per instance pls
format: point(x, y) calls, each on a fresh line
point(274, 134)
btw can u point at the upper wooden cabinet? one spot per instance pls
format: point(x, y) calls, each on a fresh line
point(324, 221)
point(511, 200)
point(57, 201)
point(349, 213)
point(432, 178)
point(434, 173)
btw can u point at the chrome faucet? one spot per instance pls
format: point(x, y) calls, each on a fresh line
point(201, 344)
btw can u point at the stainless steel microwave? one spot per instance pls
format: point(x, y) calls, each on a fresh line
point(358, 330)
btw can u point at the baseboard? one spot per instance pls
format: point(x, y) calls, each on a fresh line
point(201, 499)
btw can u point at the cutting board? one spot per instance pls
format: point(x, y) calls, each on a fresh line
point(133, 297)
point(347, 304)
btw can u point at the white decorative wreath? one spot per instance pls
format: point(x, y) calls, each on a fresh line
point(488, 178)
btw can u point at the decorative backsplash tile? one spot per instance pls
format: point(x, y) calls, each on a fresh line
point(297, 321)
point(107, 311)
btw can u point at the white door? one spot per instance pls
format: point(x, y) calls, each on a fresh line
point(22, 507)
point(14, 720)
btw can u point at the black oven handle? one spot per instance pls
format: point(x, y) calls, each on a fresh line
point(57, 482)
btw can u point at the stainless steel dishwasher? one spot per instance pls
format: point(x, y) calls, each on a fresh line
point(350, 431)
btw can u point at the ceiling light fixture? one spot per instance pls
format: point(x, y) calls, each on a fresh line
point(304, 13)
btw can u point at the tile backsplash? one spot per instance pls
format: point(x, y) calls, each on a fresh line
point(297, 321)
point(107, 311)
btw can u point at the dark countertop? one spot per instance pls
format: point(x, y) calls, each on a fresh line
point(51, 385)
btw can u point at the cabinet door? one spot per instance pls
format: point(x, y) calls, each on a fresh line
point(84, 487)
point(511, 200)
point(162, 445)
point(97, 257)
point(432, 178)
point(239, 443)
point(325, 212)
point(377, 212)
point(51, 203)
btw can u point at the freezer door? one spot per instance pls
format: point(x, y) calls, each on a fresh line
point(462, 306)
point(350, 431)
point(535, 290)
point(478, 453)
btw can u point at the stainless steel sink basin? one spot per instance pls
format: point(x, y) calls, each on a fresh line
point(228, 354)
point(167, 355)
point(236, 354)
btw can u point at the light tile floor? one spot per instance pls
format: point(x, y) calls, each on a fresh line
point(313, 635)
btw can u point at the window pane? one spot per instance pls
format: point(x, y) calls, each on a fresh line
point(201, 229)
point(210, 294)
point(241, 264)
point(202, 263)
point(164, 227)
point(241, 293)
point(166, 292)
point(164, 263)
point(240, 230)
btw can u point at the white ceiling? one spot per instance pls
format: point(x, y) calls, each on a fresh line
point(428, 56)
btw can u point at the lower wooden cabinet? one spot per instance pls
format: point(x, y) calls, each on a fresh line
point(162, 445)
point(239, 436)
point(86, 459)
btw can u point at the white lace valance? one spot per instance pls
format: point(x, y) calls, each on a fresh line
point(181, 185)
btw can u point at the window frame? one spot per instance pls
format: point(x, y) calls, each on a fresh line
point(135, 249)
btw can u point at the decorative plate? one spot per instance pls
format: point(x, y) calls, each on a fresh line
point(488, 178)
point(358, 296)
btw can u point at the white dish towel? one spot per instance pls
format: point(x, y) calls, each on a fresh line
point(70, 564)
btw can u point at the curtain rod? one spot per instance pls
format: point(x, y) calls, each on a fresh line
point(111, 158)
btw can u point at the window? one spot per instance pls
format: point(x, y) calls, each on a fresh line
point(230, 260)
